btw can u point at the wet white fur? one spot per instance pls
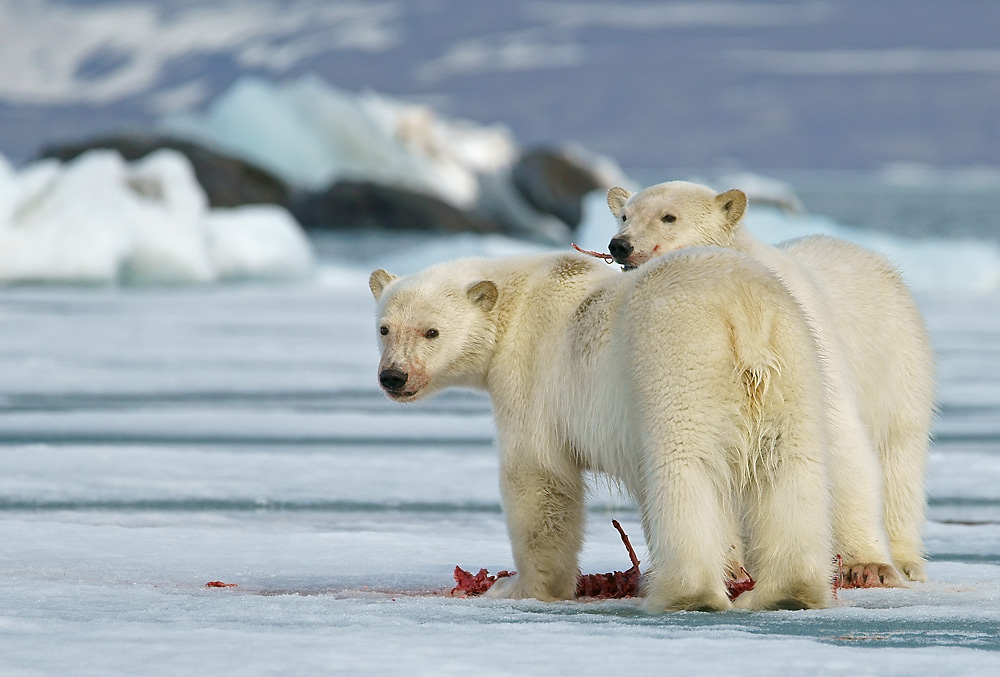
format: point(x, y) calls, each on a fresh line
point(878, 364)
point(694, 381)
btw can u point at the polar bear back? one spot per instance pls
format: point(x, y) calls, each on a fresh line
point(705, 332)
point(868, 298)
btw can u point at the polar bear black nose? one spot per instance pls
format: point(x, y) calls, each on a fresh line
point(620, 248)
point(392, 379)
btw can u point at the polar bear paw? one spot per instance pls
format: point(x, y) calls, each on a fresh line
point(789, 597)
point(518, 587)
point(869, 575)
point(509, 587)
point(914, 570)
point(706, 600)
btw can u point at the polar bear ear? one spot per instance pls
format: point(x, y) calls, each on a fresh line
point(617, 197)
point(378, 281)
point(732, 203)
point(484, 294)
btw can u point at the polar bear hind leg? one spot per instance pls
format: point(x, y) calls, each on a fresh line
point(905, 451)
point(784, 490)
point(789, 556)
point(688, 530)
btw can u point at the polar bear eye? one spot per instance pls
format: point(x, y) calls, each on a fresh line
point(383, 330)
point(624, 218)
point(431, 333)
point(668, 218)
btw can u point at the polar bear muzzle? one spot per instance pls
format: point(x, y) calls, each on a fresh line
point(392, 379)
point(621, 249)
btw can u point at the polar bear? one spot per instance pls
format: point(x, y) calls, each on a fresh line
point(694, 382)
point(879, 367)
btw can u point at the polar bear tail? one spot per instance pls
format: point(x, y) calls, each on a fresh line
point(759, 367)
point(757, 364)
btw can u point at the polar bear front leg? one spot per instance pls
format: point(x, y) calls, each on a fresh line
point(544, 508)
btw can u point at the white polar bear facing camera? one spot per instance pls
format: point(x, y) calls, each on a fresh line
point(695, 382)
point(878, 364)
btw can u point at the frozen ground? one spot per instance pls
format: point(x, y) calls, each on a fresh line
point(158, 439)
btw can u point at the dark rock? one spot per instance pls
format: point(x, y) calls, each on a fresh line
point(228, 181)
point(365, 205)
point(554, 183)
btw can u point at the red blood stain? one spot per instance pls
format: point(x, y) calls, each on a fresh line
point(742, 583)
point(614, 585)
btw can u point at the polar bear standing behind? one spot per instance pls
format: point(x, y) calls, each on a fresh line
point(695, 382)
point(878, 361)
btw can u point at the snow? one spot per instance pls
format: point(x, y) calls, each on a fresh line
point(98, 219)
point(312, 134)
point(252, 241)
point(156, 439)
point(99, 52)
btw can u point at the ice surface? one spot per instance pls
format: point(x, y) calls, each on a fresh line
point(98, 219)
point(157, 439)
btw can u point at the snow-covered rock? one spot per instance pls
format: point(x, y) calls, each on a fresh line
point(98, 219)
point(313, 134)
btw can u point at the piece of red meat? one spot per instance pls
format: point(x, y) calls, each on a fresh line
point(470, 586)
point(615, 585)
point(737, 585)
point(607, 258)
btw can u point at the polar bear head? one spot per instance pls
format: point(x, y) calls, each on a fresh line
point(435, 330)
point(670, 216)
